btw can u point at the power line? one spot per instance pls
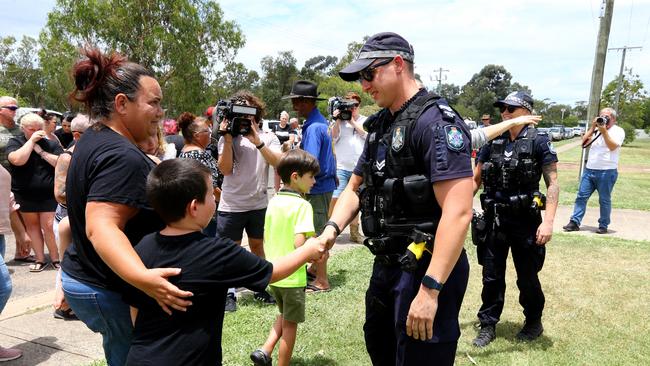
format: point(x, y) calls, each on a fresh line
point(620, 75)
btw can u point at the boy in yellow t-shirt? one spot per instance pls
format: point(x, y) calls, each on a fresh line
point(288, 224)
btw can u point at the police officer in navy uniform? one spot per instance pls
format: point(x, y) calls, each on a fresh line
point(414, 173)
point(510, 168)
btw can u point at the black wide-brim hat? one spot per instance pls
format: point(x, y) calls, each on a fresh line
point(380, 45)
point(304, 89)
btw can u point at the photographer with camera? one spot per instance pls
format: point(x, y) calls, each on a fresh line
point(245, 154)
point(349, 137)
point(601, 171)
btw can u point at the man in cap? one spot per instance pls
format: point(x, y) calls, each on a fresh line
point(510, 168)
point(414, 173)
point(486, 120)
point(316, 141)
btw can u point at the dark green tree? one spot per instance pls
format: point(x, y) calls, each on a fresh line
point(631, 111)
point(279, 73)
point(182, 41)
point(317, 68)
point(491, 83)
point(19, 70)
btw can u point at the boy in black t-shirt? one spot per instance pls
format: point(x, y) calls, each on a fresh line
point(178, 191)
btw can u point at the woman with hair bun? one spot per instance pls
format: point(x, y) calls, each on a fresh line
point(197, 135)
point(106, 200)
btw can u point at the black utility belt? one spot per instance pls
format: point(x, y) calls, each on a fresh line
point(387, 245)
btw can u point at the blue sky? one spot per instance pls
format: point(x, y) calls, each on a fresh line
point(548, 45)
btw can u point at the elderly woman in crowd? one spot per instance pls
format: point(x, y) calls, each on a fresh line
point(32, 158)
point(107, 205)
point(198, 134)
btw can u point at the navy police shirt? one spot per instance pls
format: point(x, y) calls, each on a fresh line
point(440, 147)
point(543, 148)
point(544, 151)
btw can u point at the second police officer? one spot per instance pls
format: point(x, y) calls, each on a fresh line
point(414, 172)
point(510, 168)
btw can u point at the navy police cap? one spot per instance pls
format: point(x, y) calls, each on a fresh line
point(517, 99)
point(381, 45)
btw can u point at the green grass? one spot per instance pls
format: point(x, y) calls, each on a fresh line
point(632, 190)
point(597, 295)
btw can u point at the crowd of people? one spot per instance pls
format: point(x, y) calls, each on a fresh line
point(144, 218)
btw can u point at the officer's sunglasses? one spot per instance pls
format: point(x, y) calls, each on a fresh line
point(368, 74)
point(11, 107)
point(509, 108)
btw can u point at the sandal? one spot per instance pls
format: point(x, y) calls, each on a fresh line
point(27, 259)
point(37, 267)
point(313, 289)
point(56, 264)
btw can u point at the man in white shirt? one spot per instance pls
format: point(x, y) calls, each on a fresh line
point(601, 170)
point(349, 138)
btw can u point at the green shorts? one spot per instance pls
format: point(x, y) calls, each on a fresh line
point(320, 204)
point(291, 302)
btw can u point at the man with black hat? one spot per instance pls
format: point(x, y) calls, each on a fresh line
point(413, 183)
point(316, 141)
point(510, 168)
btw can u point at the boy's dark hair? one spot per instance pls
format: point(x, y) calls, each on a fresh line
point(298, 161)
point(173, 184)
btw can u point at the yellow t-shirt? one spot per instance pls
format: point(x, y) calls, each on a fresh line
point(287, 214)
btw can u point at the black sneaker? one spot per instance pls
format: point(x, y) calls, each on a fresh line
point(571, 226)
point(530, 331)
point(486, 335)
point(261, 358)
point(231, 303)
point(264, 297)
point(601, 230)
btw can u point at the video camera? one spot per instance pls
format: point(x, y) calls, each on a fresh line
point(343, 105)
point(602, 120)
point(237, 117)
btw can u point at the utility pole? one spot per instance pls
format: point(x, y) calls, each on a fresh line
point(440, 70)
point(620, 74)
point(598, 71)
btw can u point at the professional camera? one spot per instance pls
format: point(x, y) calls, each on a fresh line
point(602, 120)
point(343, 105)
point(237, 116)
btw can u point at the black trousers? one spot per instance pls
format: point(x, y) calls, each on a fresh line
point(528, 259)
point(388, 300)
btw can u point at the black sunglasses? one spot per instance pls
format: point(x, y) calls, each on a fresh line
point(368, 74)
point(11, 107)
point(510, 108)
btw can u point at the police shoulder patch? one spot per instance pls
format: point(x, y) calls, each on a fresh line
point(398, 139)
point(455, 139)
point(551, 148)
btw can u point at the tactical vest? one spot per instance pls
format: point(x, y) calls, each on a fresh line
point(517, 172)
point(396, 195)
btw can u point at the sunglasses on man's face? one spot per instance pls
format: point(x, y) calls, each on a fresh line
point(509, 108)
point(368, 74)
point(10, 107)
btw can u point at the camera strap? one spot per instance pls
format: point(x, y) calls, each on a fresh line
point(598, 134)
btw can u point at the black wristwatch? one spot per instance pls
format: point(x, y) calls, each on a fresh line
point(334, 225)
point(431, 283)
